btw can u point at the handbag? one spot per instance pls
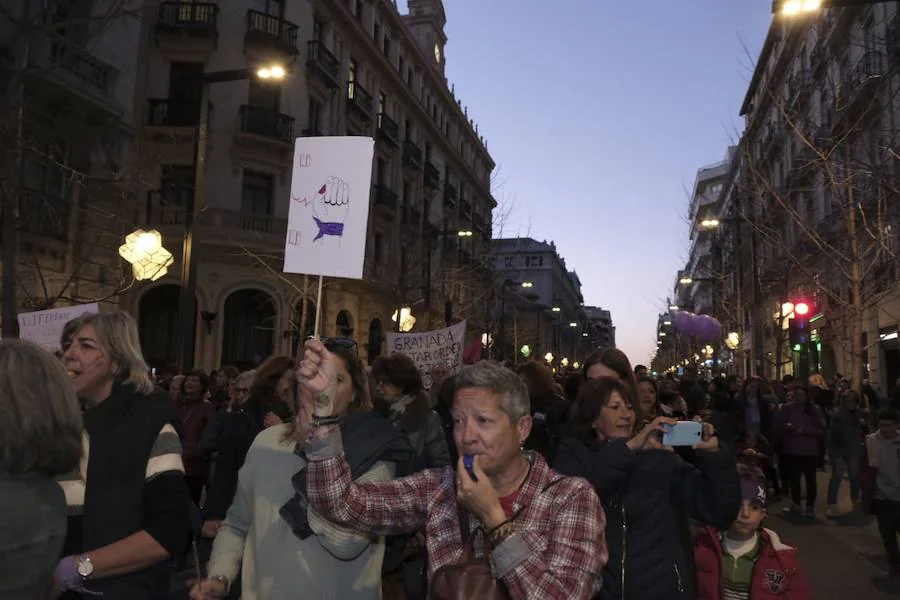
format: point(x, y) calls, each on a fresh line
point(470, 578)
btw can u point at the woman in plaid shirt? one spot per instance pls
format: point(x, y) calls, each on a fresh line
point(544, 531)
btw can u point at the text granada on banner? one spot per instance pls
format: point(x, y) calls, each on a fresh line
point(430, 349)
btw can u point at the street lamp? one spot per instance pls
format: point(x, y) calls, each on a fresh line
point(792, 8)
point(799, 8)
point(556, 309)
point(144, 251)
point(573, 324)
point(527, 284)
point(406, 319)
point(686, 281)
point(187, 310)
point(464, 233)
point(673, 307)
point(709, 223)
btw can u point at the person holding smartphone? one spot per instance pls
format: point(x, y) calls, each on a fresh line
point(645, 489)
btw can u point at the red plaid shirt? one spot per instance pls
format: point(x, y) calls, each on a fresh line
point(556, 553)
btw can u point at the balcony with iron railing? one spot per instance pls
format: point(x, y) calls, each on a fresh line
point(272, 32)
point(77, 70)
point(432, 176)
point(266, 123)
point(868, 71)
point(323, 63)
point(360, 99)
point(385, 198)
point(388, 130)
point(412, 155)
point(171, 112)
point(188, 18)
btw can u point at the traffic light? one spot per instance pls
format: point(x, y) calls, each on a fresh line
point(798, 326)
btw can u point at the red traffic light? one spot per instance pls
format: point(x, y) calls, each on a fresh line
point(801, 309)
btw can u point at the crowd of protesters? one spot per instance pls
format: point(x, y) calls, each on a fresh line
point(322, 477)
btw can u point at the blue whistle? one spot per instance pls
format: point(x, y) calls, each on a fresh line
point(469, 464)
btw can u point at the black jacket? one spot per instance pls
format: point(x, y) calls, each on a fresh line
point(645, 496)
point(119, 501)
point(424, 429)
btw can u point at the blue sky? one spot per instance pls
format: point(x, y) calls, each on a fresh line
point(598, 115)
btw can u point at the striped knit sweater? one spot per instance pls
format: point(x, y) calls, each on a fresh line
point(165, 456)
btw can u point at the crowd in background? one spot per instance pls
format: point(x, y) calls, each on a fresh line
point(242, 476)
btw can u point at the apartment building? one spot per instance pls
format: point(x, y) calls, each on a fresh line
point(601, 331)
point(542, 305)
point(703, 268)
point(73, 65)
point(818, 190)
point(355, 67)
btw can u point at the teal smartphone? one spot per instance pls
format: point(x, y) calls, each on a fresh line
point(683, 433)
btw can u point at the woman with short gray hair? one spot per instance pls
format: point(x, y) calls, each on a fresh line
point(131, 516)
point(41, 439)
point(543, 532)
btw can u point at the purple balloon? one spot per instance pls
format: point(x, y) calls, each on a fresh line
point(692, 325)
point(708, 328)
point(681, 319)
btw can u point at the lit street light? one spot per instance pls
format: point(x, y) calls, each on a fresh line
point(573, 324)
point(709, 223)
point(673, 307)
point(464, 233)
point(527, 284)
point(800, 8)
point(791, 8)
point(556, 309)
point(275, 72)
point(144, 251)
point(406, 319)
point(686, 281)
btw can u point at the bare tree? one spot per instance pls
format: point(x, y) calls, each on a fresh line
point(826, 219)
point(67, 179)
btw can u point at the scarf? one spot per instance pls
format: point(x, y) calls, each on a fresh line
point(367, 439)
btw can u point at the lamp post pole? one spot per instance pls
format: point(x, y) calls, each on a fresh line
point(187, 303)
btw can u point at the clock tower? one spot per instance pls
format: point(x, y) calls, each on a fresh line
point(426, 20)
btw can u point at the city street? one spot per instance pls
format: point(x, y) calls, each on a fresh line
point(841, 560)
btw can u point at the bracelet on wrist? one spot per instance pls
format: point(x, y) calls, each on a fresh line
point(499, 533)
point(325, 421)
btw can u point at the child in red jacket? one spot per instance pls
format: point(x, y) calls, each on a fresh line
point(747, 560)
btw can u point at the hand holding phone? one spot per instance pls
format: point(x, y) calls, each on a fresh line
point(683, 433)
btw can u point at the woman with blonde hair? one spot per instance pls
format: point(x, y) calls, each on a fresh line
point(128, 502)
point(41, 425)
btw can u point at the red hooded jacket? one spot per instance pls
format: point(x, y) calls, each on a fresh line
point(777, 574)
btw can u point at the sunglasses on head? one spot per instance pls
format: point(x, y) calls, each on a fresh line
point(334, 343)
